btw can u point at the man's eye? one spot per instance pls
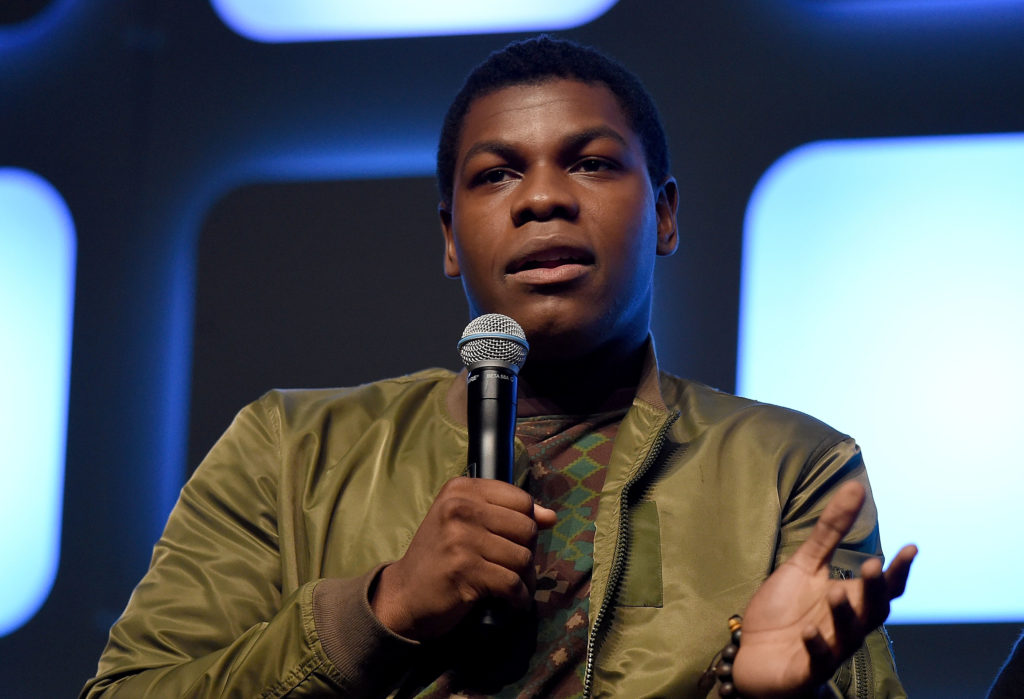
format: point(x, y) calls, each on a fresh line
point(494, 176)
point(593, 165)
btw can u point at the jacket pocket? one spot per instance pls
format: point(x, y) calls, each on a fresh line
point(642, 582)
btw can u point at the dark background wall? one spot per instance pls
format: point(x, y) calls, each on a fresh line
point(253, 215)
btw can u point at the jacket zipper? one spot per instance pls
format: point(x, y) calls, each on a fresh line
point(860, 672)
point(619, 555)
point(861, 681)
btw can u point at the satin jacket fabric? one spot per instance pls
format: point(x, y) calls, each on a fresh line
point(705, 494)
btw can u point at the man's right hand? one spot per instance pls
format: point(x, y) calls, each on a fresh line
point(475, 543)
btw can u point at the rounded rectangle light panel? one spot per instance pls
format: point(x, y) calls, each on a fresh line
point(882, 293)
point(37, 270)
point(273, 21)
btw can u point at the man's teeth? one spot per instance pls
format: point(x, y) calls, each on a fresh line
point(548, 264)
point(552, 263)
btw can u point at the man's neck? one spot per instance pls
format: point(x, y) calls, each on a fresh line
point(600, 381)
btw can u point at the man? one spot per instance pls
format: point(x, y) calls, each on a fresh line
point(328, 545)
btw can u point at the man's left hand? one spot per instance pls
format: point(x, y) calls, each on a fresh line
point(802, 624)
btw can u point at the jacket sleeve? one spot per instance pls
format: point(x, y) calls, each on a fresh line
point(871, 672)
point(210, 618)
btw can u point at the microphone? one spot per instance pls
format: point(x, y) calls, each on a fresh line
point(493, 347)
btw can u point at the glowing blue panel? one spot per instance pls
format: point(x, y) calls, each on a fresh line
point(37, 268)
point(326, 20)
point(882, 292)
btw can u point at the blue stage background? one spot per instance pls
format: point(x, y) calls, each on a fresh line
point(215, 181)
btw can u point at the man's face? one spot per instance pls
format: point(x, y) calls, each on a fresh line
point(554, 220)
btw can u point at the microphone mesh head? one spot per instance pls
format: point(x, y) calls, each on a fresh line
point(493, 337)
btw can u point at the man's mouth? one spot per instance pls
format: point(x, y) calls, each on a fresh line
point(550, 259)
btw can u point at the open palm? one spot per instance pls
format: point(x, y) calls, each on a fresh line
point(801, 624)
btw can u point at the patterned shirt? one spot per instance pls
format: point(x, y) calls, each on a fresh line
point(568, 460)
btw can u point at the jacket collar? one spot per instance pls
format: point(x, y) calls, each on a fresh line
point(648, 390)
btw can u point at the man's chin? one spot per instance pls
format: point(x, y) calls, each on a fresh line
point(559, 329)
point(559, 344)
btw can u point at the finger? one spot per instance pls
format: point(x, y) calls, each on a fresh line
point(835, 521)
point(489, 490)
point(498, 582)
point(509, 524)
point(819, 652)
point(897, 572)
point(844, 618)
point(544, 517)
point(492, 567)
point(465, 505)
point(505, 553)
point(876, 593)
point(505, 495)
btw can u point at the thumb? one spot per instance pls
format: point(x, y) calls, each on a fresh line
point(544, 516)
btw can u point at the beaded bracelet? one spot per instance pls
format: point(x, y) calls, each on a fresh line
point(720, 668)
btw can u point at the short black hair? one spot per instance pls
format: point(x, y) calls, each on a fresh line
point(538, 60)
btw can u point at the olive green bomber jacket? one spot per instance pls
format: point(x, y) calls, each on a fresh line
point(705, 494)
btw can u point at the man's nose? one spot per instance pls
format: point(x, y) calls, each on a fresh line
point(544, 193)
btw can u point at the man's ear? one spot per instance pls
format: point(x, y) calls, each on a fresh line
point(666, 203)
point(451, 260)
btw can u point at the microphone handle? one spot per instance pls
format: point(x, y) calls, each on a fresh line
point(491, 415)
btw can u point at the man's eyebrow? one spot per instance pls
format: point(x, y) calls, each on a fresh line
point(578, 140)
point(499, 148)
point(575, 141)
